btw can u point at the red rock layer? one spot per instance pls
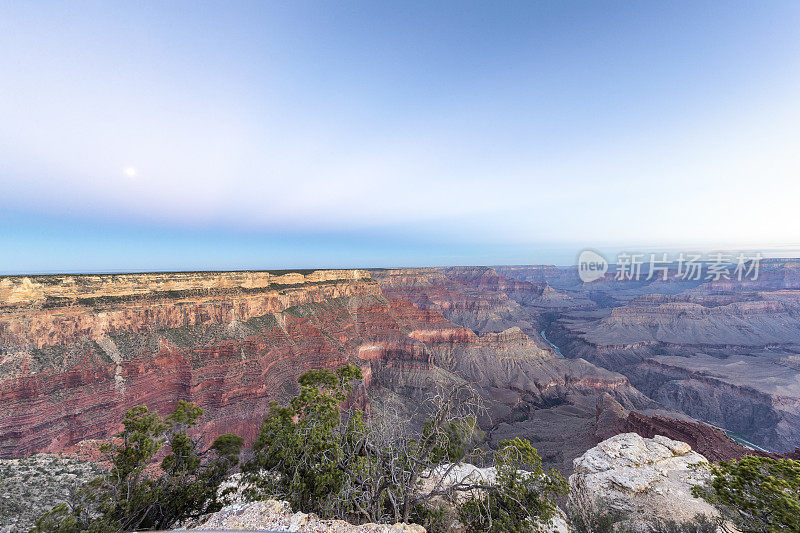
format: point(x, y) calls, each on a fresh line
point(77, 353)
point(69, 372)
point(611, 419)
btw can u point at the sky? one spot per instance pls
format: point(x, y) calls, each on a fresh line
point(140, 136)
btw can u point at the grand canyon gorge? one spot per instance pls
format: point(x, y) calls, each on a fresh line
point(560, 362)
point(382, 267)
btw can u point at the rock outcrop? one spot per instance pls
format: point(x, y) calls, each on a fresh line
point(272, 515)
point(639, 481)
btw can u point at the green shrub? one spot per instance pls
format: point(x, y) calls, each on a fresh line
point(298, 450)
point(135, 495)
point(391, 468)
point(757, 494)
point(595, 523)
point(700, 524)
point(615, 522)
point(521, 495)
point(434, 518)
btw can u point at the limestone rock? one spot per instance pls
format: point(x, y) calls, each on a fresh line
point(640, 479)
point(272, 515)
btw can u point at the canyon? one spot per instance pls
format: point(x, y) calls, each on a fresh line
point(723, 352)
point(77, 351)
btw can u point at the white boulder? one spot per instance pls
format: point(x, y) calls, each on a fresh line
point(640, 479)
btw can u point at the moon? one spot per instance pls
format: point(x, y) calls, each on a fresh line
point(130, 172)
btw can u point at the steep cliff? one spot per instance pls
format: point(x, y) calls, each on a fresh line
point(74, 360)
point(77, 351)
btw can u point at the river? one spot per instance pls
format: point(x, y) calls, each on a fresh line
point(558, 351)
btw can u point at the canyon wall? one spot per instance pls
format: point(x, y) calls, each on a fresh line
point(530, 390)
point(78, 351)
point(721, 351)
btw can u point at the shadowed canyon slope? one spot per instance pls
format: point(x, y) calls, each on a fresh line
point(724, 352)
point(77, 351)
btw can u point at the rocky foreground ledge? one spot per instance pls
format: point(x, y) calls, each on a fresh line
point(272, 515)
point(636, 480)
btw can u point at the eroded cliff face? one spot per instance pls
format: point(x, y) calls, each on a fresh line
point(472, 297)
point(44, 311)
point(78, 351)
point(74, 357)
point(530, 391)
point(722, 352)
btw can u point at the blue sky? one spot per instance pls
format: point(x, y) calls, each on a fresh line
point(191, 135)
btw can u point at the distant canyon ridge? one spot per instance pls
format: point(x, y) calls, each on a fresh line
point(560, 362)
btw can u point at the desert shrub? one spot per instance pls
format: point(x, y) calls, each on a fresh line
point(522, 493)
point(594, 523)
point(384, 467)
point(757, 494)
point(138, 494)
point(435, 518)
point(616, 522)
point(297, 454)
point(700, 524)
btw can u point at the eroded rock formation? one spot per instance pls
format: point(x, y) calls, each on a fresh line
point(639, 481)
point(78, 351)
point(531, 391)
point(722, 352)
